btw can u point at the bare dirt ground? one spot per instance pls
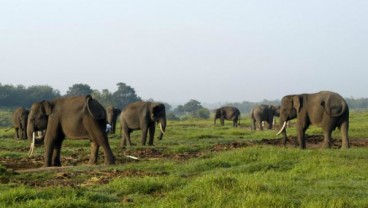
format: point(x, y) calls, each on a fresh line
point(102, 174)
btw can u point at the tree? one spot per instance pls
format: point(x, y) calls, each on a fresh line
point(40, 92)
point(179, 110)
point(79, 89)
point(192, 106)
point(105, 97)
point(201, 113)
point(124, 95)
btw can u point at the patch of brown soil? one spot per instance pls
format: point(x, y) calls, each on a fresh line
point(315, 141)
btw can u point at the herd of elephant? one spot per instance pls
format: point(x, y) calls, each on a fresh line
point(85, 117)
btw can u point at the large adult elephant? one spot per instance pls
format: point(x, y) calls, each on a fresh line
point(228, 113)
point(262, 113)
point(72, 117)
point(112, 116)
point(325, 109)
point(142, 116)
point(19, 118)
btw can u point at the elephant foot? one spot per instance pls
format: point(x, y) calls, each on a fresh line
point(109, 162)
point(326, 145)
point(92, 161)
point(345, 146)
point(56, 165)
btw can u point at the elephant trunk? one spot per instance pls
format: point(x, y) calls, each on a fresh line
point(33, 132)
point(30, 130)
point(162, 125)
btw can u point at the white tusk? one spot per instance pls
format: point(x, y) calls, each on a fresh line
point(30, 152)
point(282, 128)
point(132, 157)
point(161, 129)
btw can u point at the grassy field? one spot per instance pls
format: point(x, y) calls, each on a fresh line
point(197, 164)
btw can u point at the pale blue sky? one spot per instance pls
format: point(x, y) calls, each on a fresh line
point(174, 51)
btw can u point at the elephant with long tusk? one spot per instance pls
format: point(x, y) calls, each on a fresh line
point(325, 109)
point(142, 116)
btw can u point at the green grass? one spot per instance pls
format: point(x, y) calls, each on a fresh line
point(196, 164)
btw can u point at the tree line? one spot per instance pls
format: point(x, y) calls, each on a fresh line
point(16, 96)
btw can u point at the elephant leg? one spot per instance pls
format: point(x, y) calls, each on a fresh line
point(94, 153)
point(125, 138)
point(151, 135)
point(144, 135)
point(301, 138)
point(49, 150)
point(284, 136)
point(99, 138)
point(253, 127)
point(327, 141)
point(235, 122)
point(270, 123)
point(344, 128)
point(56, 153)
point(222, 121)
point(17, 133)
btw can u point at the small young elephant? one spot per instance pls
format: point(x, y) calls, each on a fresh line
point(228, 113)
point(142, 116)
point(20, 117)
point(262, 113)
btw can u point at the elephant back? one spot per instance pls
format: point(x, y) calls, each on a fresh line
point(95, 109)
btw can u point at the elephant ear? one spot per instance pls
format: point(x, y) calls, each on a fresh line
point(47, 107)
point(297, 102)
point(157, 109)
point(95, 109)
point(334, 106)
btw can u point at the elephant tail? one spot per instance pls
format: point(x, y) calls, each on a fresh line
point(95, 109)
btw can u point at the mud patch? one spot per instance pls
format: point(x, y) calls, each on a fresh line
point(314, 141)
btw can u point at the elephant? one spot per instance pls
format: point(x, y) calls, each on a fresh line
point(20, 117)
point(72, 117)
point(112, 115)
point(325, 109)
point(228, 113)
point(262, 113)
point(143, 116)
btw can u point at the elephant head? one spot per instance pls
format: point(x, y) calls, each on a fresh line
point(290, 105)
point(22, 121)
point(275, 110)
point(38, 117)
point(111, 117)
point(158, 115)
point(217, 114)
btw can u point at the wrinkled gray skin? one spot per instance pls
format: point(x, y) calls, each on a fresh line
point(112, 116)
point(325, 109)
point(20, 117)
point(228, 113)
point(142, 116)
point(73, 117)
point(263, 113)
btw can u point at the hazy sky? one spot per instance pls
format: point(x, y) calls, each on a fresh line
point(174, 51)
